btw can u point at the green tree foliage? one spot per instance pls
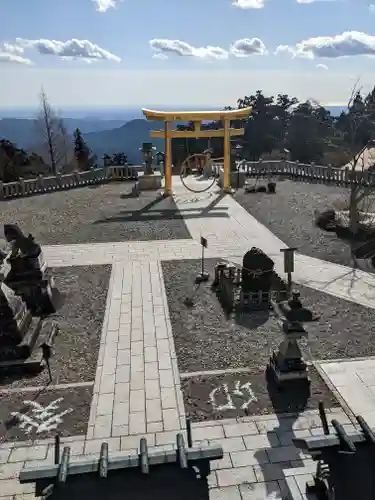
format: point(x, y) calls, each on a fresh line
point(84, 158)
point(16, 163)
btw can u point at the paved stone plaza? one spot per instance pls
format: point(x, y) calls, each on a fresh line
point(137, 387)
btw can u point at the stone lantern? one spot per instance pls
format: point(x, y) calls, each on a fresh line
point(149, 180)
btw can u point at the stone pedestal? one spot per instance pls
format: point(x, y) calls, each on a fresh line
point(19, 334)
point(235, 178)
point(150, 182)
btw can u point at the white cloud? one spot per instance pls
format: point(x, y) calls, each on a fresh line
point(104, 5)
point(249, 4)
point(183, 49)
point(247, 47)
point(322, 66)
point(349, 43)
point(371, 8)
point(11, 53)
point(71, 49)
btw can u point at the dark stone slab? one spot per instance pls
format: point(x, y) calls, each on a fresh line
point(258, 396)
point(75, 402)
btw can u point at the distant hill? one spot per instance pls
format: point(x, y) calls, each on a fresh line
point(23, 132)
point(127, 139)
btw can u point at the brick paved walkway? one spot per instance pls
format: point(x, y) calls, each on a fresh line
point(137, 385)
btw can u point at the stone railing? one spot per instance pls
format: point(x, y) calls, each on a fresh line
point(301, 171)
point(41, 184)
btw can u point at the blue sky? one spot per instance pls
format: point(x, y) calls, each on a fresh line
point(183, 52)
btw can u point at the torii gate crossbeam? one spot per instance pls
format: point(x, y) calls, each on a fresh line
point(196, 117)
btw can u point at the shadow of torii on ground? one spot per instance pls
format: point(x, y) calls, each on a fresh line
point(149, 213)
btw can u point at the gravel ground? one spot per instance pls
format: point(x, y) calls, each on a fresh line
point(76, 401)
point(99, 214)
point(205, 339)
point(344, 329)
point(289, 214)
point(266, 399)
point(80, 320)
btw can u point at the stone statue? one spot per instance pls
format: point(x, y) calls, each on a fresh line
point(26, 298)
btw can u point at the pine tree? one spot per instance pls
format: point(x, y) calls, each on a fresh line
point(82, 152)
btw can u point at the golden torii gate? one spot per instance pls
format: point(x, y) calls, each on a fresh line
point(196, 117)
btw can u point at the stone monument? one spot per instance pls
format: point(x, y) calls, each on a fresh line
point(287, 364)
point(27, 297)
point(150, 180)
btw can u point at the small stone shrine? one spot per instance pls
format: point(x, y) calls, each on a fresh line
point(251, 286)
point(27, 297)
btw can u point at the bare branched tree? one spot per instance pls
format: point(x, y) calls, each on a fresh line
point(52, 133)
point(360, 195)
point(65, 145)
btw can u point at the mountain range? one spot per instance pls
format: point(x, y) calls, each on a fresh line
point(103, 136)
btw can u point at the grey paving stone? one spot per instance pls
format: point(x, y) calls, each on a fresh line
point(171, 420)
point(132, 442)
point(228, 493)
point(154, 427)
point(168, 437)
point(230, 444)
point(137, 381)
point(123, 357)
point(105, 404)
point(270, 472)
point(248, 457)
point(137, 423)
point(153, 410)
point(4, 455)
point(152, 389)
point(119, 430)
point(136, 347)
point(122, 374)
point(9, 487)
point(223, 463)
point(151, 355)
point(137, 363)
point(240, 429)
point(151, 371)
point(165, 362)
point(261, 441)
point(107, 384)
point(261, 491)
point(28, 453)
point(166, 378)
point(10, 471)
point(286, 438)
point(168, 398)
point(216, 433)
point(137, 401)
point(137, 333)
point(235, 476)
point(120, 414)
point(122, 393)
point(103, 427)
